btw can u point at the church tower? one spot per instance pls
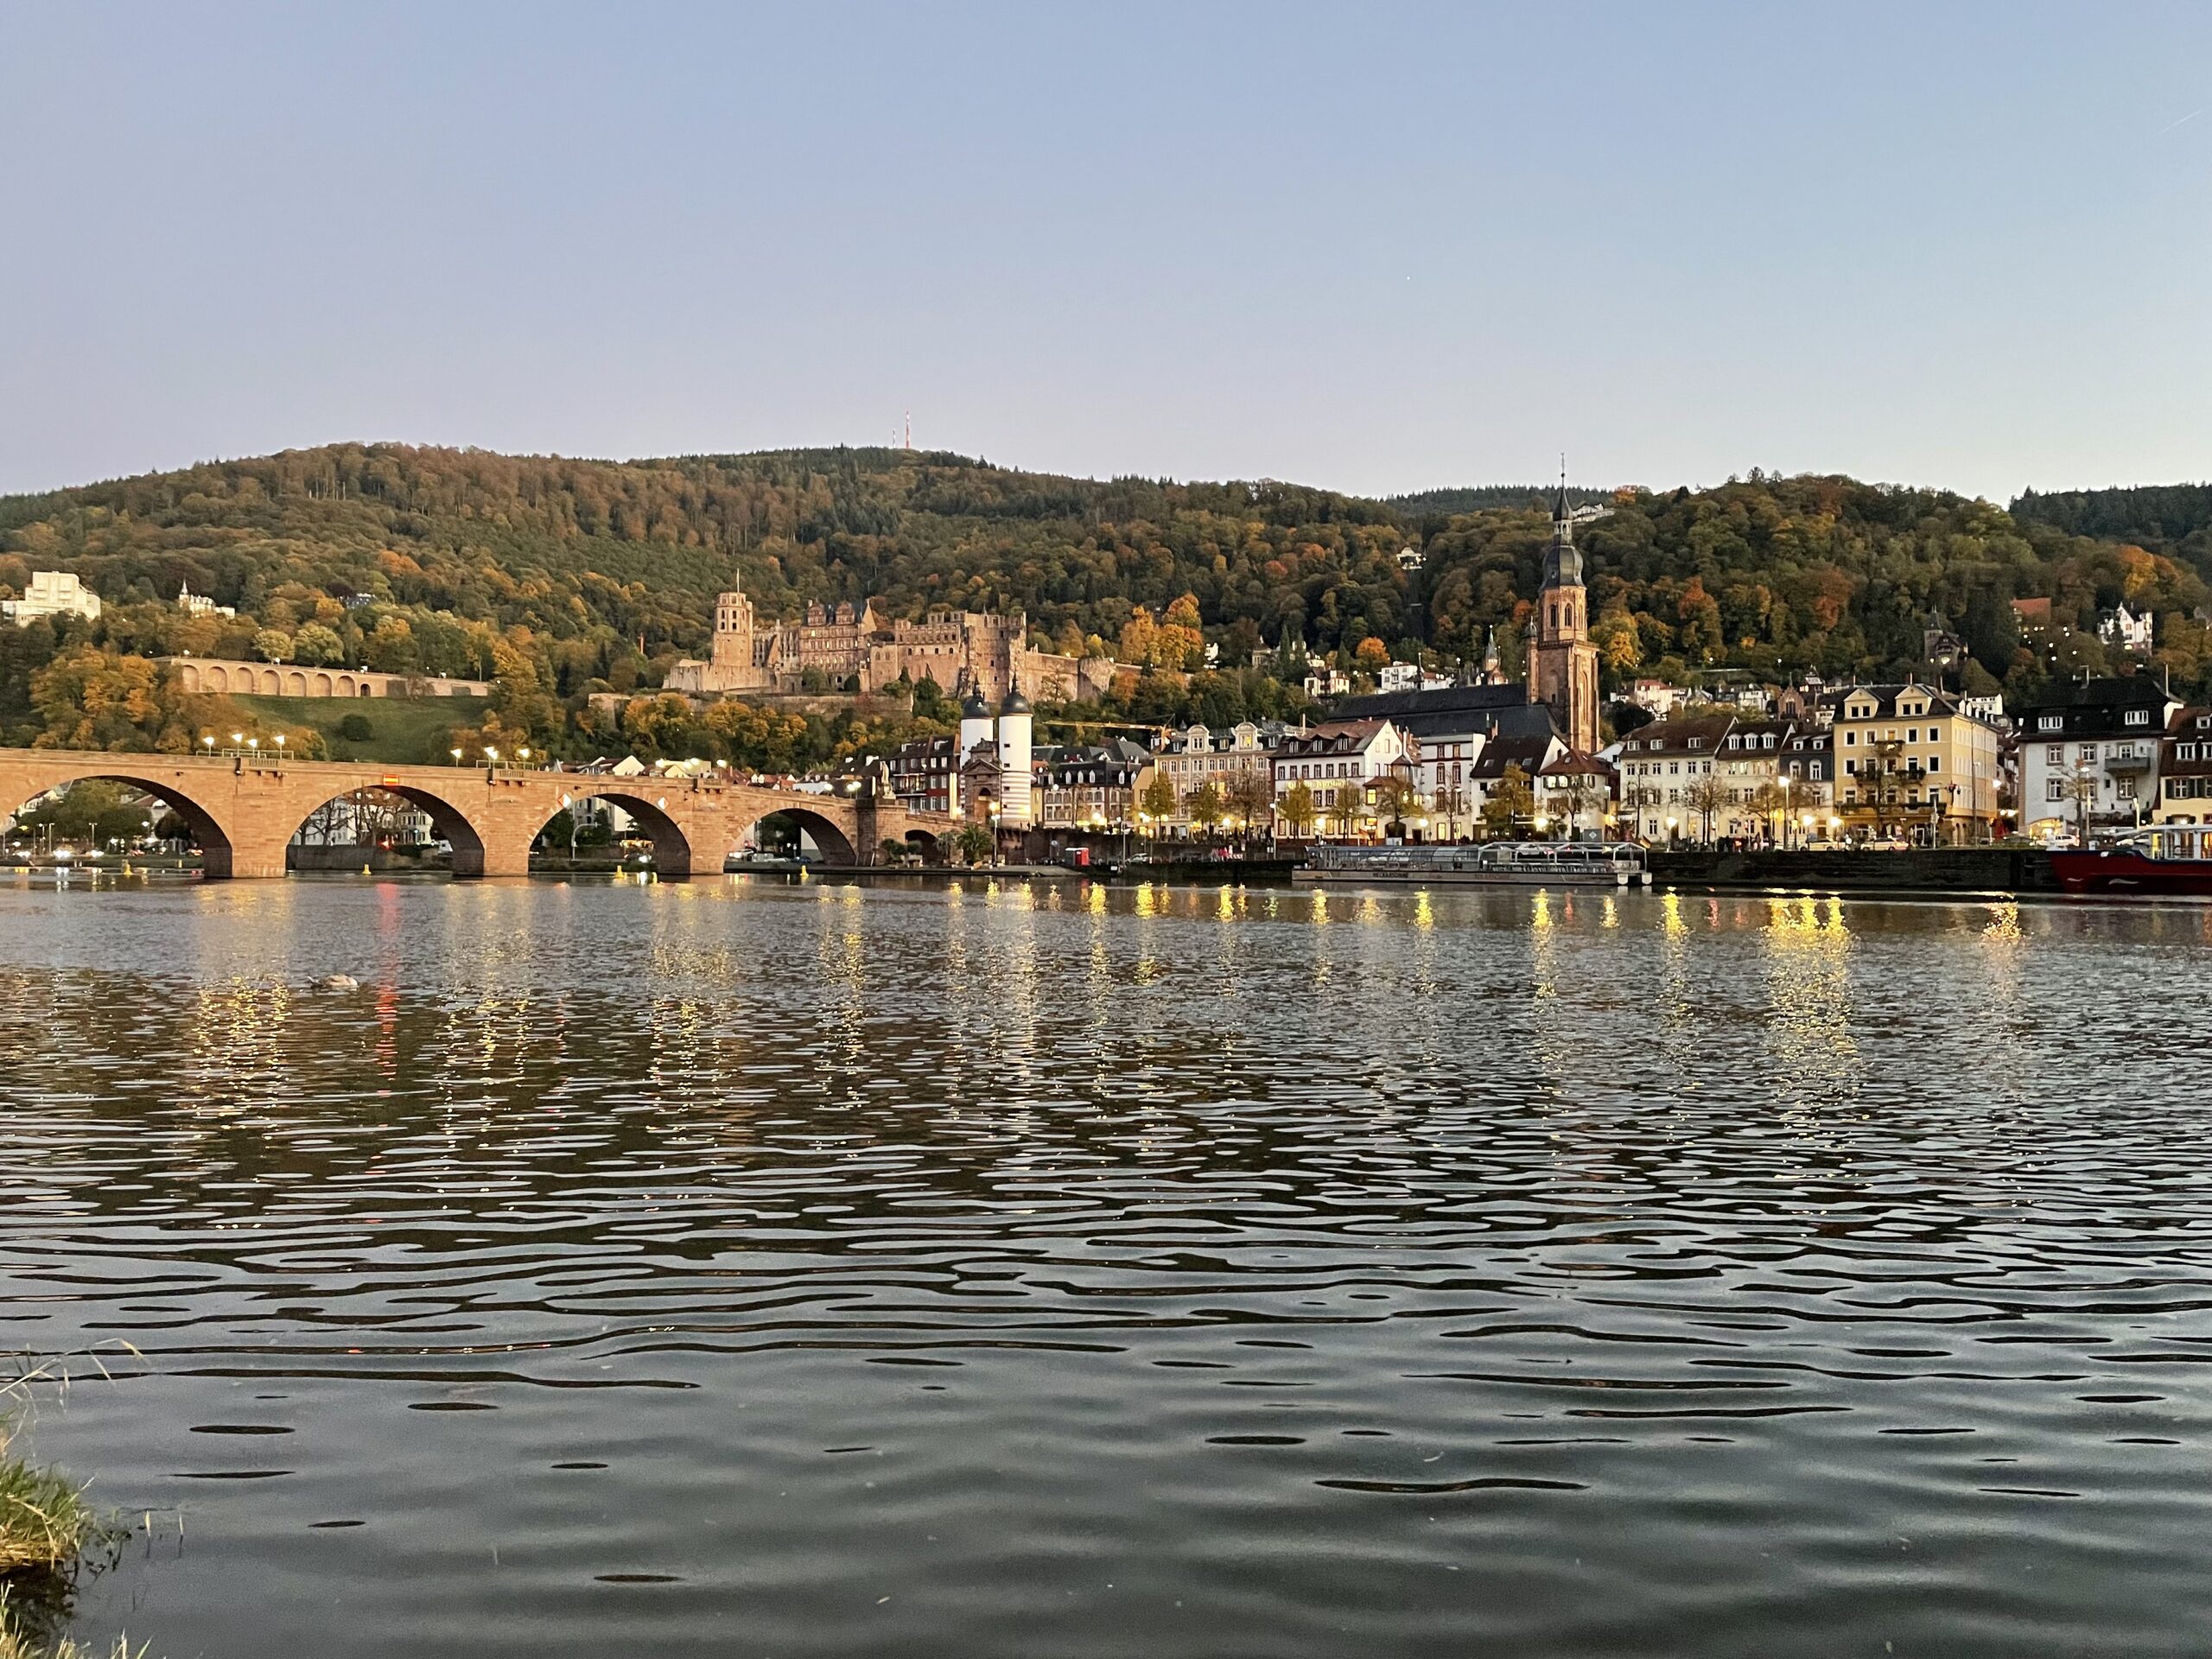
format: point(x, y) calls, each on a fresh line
point(1562, 662)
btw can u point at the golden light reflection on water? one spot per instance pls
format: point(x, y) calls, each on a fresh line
point(1809, 947)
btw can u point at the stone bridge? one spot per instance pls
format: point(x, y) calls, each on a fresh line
point(245, 810)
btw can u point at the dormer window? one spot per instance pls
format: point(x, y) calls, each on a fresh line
point(2139, 717)
point(2051, 723)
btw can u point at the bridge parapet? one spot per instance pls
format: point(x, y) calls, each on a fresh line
point(244, 809)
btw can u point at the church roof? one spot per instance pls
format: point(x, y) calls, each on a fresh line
point(1455, 710)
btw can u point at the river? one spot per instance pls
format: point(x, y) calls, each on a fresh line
point(741, 1268)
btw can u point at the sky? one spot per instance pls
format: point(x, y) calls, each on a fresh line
point(1374, 248)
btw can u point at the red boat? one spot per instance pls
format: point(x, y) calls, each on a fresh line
point(2171, 860)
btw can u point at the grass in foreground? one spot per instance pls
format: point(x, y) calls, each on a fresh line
point(44, 1526)
point(44, 1521)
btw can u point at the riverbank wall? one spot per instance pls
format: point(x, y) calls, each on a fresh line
point(1934, 869)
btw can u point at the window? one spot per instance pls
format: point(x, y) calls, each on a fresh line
point(2051, 723)
point(2055, 755)
point(1935, 763)
point(2127, 789)
point(2054, 790)
point(2139, 717)
point(2089, 755)
point(1851, 766)
point(1816, 772)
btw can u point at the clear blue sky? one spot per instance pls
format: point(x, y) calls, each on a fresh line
point(1373, 248)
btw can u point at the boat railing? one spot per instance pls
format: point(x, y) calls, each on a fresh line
point(1565, 858)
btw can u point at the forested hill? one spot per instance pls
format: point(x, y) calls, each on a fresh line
point(2164, 518)
point(598, 574)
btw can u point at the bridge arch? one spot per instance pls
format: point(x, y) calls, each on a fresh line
point(827, 834)
point(674, 853)
point(448, 822)
point(217, 854)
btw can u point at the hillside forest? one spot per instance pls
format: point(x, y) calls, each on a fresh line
point(562, 578)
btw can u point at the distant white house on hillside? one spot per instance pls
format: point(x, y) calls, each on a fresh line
point(52, 593)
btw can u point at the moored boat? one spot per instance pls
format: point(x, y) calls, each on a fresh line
point(1490, 863)
point(2167, 861)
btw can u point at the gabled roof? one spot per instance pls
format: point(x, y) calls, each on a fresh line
point(1526, 752)
point(1574, 763)
point(1695, 734)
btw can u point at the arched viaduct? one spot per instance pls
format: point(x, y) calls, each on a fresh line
point(245, 810)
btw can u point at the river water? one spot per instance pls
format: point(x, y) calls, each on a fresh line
point(736, 1268)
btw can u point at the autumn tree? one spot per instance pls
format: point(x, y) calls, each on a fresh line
point(1252, 799)
point(1297, 809)
point(1156, 800)
point(1511, 800)
point(317, 645)
point(1207, 804)
point(88, 698)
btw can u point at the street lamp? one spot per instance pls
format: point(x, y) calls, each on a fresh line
point(280, 739)
point(491, 754)
point(525, 753)
point(456, 756)
point(1670, 828)
point(208, 741)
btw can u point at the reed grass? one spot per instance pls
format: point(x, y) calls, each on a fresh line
point(45, 1525)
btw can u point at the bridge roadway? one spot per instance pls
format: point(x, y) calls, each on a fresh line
point(245, 809)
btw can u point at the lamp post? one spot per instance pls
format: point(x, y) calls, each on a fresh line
point(456, 756)
point(1784, 778)
point(208, 741)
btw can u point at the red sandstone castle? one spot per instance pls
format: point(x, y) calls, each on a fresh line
point(962, 651)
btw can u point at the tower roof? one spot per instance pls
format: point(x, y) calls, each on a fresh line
point(974, 707)
point(1562, 563)
point(1015, 703)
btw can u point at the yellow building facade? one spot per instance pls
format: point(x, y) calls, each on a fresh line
point(1910, 764)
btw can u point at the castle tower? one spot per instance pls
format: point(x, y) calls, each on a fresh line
point(1562, 662)
point(732, 650)
point(1014, 772)
point(975, 723)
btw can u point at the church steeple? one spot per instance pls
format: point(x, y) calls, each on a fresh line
point(1562, 662)
point(1562, 563)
